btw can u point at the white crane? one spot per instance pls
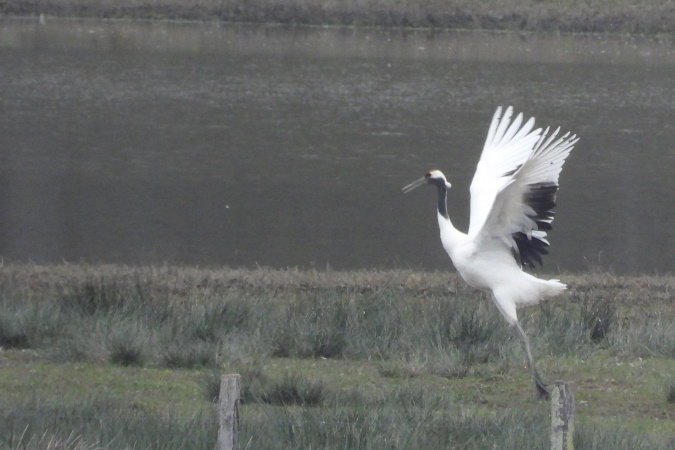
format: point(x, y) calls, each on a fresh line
point(512, 199)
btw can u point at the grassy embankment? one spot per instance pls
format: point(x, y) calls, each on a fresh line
point(646, 16)
point(120, 357)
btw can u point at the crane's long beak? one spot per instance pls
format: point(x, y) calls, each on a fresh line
point(413, 185)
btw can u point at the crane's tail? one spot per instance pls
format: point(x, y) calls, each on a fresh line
point(528, 292)
point(551, 288)
point(536, 290)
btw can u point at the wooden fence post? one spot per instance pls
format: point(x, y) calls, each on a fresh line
point(228, 412)
point(562, 416)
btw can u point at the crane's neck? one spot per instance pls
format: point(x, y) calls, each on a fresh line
point(442, 200)
point(450, 236)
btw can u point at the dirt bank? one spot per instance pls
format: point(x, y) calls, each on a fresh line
point(622, 16)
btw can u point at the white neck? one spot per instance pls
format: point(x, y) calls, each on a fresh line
point(451, 237)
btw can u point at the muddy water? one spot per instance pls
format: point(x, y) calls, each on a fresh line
point(234, 145)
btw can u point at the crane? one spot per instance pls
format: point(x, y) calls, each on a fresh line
point(513, 193)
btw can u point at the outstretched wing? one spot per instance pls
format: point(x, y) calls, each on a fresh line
point(507, 147)
point(513, 191)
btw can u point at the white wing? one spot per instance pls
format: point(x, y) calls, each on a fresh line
point(513, 190)
point(507, 147)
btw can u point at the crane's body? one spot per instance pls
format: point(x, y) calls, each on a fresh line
point(512, 198)
point(491, 267)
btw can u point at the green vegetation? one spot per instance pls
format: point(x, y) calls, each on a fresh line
point(121, 357)
point(644, 16)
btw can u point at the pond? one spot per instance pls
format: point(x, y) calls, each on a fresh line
point(238, 145)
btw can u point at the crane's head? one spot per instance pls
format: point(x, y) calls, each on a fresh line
point(434, 177)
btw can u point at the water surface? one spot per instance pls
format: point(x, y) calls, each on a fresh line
point(241, 145)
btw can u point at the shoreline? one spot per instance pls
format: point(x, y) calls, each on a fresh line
point(621, 287)
point(594, 16)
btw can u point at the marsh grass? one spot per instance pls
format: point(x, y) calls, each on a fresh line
point(418, 360)
point(96, 423)
point(200, 318)
point(295, 390)
point(10, 336)
point(397, 423)
point(125, 350)
point(406, 420)
point(670, 392)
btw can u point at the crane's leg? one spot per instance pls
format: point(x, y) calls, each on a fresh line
point(541, 387)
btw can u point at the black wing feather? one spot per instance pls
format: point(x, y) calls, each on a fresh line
point(541, 198)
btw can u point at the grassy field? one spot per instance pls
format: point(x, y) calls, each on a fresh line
point(634, 16)
point(121, 357)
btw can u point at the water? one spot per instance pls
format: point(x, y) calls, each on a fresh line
point(238, 145)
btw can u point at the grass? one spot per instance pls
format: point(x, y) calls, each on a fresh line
point(120, 357)
point(654, 16)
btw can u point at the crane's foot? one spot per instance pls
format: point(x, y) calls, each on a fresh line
point(542, 393)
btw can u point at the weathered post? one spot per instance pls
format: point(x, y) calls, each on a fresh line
point(562, 416)
point(228, 412)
